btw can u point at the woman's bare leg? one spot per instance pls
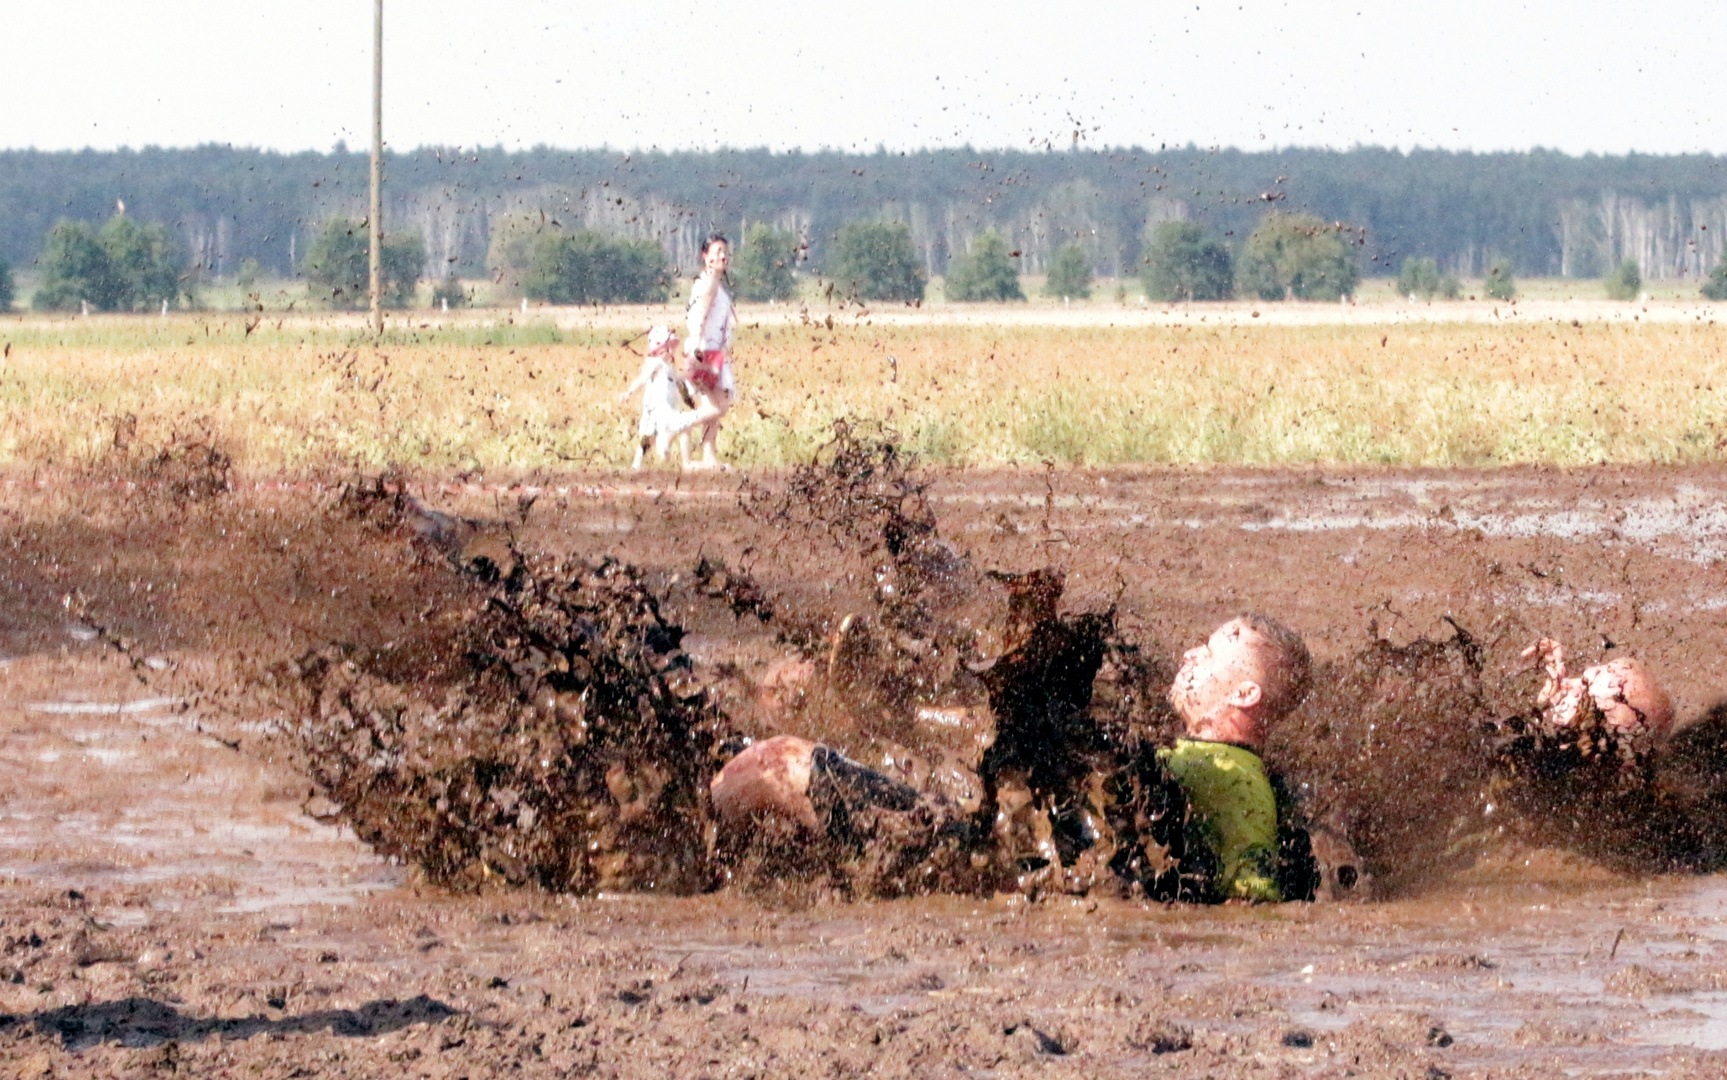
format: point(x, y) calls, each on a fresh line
point(713, 408)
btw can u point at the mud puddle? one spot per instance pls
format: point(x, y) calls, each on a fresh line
point(219, 926)
point(111, 786)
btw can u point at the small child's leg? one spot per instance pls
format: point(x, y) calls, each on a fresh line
point(683, 449)
point(710, 441)
point(641, 449)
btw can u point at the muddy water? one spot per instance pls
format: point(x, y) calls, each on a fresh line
point(219, 926)
point(111, 786)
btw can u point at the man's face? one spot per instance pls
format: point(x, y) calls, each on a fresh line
point(1213, 675)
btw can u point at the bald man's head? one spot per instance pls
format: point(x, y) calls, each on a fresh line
point(1251, 671)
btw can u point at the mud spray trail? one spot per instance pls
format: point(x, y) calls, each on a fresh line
point(300, 782)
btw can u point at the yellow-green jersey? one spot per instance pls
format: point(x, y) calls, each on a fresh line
point(1231, 802)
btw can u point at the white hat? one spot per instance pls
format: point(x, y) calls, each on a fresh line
point(658, 338)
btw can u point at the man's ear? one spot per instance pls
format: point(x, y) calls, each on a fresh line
point(1246, 694)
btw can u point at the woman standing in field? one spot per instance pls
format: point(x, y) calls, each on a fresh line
point(707, 349)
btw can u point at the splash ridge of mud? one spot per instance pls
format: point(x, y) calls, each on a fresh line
point(550, 734)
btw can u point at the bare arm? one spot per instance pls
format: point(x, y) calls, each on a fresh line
point(1549, 655)
point(649, 363)
point(699, 309)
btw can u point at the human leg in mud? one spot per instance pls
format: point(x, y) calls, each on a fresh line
point(821, 810)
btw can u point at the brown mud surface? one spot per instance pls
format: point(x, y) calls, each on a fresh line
point(176, 898)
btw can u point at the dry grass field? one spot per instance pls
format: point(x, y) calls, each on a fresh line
point(476, 393)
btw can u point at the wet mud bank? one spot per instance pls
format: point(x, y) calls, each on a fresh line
point(149, 775)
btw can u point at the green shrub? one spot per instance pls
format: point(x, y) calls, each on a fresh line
point(875, 260)
point(1297, 257)
point(987, 273)
point(1420, 278)
point(1501, 283)
point(1070, 273)
point(762, 267)
point(339, 265)
point(1624, 282)
point(1715, 288)
point(511, 250)
point(75, 271)
point(123, 266)
point(582, 266)
point(1182, 263)
point(144, 262)
point(8, 286)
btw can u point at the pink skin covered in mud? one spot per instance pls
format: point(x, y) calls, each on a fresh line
point(770, 778)
point(1630, 700)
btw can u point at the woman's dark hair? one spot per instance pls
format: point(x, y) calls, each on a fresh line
point(714, 238)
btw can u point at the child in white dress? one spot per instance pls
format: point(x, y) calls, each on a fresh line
point(662, 400)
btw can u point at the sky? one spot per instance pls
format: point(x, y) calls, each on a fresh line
point(1575, 76)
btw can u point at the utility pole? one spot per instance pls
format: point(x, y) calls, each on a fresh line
point(377, 216)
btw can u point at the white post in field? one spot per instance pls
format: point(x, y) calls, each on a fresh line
point(377, 215)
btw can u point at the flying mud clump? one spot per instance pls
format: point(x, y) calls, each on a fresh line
point(913, 642)
point(550, 734)
point(191, 466)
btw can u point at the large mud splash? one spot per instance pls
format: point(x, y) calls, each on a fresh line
point(541, 724)
point(913, 638)
point(549, 733)
point(1385, 755)
point(1626, 801)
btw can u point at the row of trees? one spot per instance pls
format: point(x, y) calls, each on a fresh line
point(128, 266)
point(1548, 212)
point(1289, 256)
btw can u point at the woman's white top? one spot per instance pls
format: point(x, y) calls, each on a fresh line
point(661, 402)
point(716, 331)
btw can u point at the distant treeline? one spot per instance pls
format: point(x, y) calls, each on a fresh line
point(1542, 212)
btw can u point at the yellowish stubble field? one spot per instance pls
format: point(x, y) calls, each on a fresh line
point(514, 399)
